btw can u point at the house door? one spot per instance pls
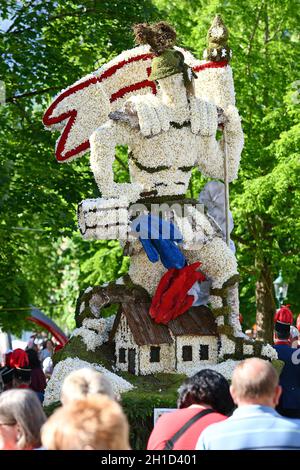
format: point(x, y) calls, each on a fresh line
point(131, 360)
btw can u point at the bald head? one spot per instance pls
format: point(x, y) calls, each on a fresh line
point(255, 381)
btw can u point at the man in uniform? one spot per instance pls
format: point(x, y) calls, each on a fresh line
point(289, 404)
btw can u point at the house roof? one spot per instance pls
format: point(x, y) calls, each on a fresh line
point(196, 321)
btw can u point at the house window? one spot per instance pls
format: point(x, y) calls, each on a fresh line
point(122, 355)
point(204, 352)
point(154, 354)
point(187, 353)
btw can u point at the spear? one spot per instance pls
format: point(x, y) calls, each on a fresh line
point(218, 50)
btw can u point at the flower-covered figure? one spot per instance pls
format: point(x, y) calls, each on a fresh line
point(168, 134)
point(167, 107)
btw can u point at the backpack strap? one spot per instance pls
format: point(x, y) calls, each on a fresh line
point(171, 442)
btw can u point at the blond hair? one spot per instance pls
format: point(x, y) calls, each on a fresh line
point(22, 407)
point(254, 378)
point(84, 382)
point(95, 422)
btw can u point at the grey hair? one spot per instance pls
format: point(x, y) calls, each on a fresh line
point(22, 407)
point(85, 382)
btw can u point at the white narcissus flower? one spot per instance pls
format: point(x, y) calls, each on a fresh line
point(227, 346)
point(248, 349)
point(220, 320)
point(64, 368)
point(94, 332)
point(225, 368)
point(269, 351)
point(223, 53)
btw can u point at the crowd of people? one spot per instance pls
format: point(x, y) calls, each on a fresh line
point(258, 410)
point(28, 369)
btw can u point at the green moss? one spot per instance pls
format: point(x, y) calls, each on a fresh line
point(278, 365)
point(217, 312)
point(232, 281)
point(51, 408)
point(257, 348)
point(225, 330)
point(152, 391)
point(239, 348)
point(219, 292)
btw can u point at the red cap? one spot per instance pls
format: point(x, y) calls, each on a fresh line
point(241, 318)
point(284, 315)
point(298, 322)
point(19, 359)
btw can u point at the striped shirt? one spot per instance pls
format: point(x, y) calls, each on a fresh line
point(252, 427)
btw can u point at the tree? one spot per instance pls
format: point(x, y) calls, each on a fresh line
point(46, 46)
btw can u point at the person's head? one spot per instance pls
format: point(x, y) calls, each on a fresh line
point(48, 345)
point(21, 377)
point(207, 387)
point(255, 382)
point(94, 423)
point(168, 67)
point(283, 320)
point(18, 359)
point(31, 344)
point(282, 333)
point(33, 358)
point(21, 418)
point(85, 382)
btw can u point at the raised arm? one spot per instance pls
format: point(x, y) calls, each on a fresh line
point(212, 151)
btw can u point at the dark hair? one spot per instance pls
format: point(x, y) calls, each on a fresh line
point(45, 343)
point(160, 36)
point(33, 358)
point(282, 334)
point(208, 387)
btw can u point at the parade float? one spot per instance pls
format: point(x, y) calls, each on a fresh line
point(178, 306)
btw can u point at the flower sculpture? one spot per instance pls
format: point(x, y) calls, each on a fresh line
point(166, 106)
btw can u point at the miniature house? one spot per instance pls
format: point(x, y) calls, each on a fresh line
point(144, 347)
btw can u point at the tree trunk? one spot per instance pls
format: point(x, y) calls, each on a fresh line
point(265, 303)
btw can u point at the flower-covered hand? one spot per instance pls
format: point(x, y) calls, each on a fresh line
point(204, 117)
point(132, 191)
point(151, 113)
point(233, 121)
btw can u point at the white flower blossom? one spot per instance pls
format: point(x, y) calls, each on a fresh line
point(248, 349)
point(64, 368)
point(227, 346)
point(269, 351)
point(225, 368)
